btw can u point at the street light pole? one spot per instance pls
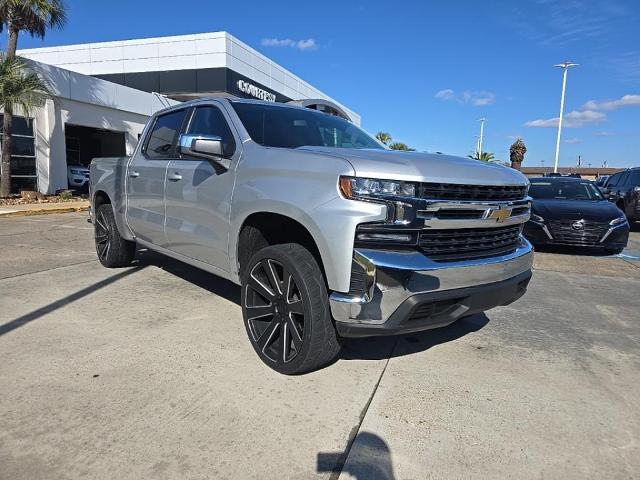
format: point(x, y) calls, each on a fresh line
point(480, 138)
point(565, 68)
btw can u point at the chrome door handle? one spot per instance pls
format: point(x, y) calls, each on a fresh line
point(134, 174)
point(174, 177)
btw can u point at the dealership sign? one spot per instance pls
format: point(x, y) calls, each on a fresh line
point(251, 89)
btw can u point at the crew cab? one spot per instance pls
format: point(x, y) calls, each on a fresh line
point(328, 233)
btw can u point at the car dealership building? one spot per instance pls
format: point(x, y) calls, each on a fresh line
point(103, 94)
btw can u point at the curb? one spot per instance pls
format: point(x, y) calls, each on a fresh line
point(42, 211)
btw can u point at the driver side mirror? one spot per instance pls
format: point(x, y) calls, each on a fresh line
point(208, 147)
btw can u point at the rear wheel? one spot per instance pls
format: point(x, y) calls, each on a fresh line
point(113, 250)
point(286, 310)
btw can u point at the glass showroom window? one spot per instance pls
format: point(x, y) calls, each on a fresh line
point(23, 160)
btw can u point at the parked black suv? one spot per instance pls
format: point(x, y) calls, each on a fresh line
point(623, 189)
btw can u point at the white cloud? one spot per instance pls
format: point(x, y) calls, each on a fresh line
point(604, 134)
point(476, 98)
point(574, 119)
point(303, 45)
point(624, 101)
point(572, 141)
point(446, 94)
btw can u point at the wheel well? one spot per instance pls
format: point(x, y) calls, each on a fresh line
point(264, 229)
point(100, 198)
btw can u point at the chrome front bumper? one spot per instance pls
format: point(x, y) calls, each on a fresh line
point(398, 280)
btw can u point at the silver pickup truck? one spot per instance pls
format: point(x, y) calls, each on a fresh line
point(328, 233)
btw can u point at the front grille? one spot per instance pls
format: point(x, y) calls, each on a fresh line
point(468, 243)
point(452, 191)
point(563, 231)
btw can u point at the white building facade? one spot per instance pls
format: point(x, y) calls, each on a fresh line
point(105, 92)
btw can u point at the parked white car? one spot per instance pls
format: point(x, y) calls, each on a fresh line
point(78, 176)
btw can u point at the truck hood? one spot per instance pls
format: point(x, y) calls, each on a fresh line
point(423, 167)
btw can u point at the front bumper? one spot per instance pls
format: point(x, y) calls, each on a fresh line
point(410, 292)
point(78, 181)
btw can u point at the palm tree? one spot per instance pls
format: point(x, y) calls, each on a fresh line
point(401, 146)
point(383, 137)
point(516, 153)
point(484, 156)
point(34, 17)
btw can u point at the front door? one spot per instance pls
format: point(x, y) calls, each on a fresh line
point(198, 194)
point(146, 177)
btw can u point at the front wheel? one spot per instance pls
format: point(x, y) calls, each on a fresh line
point(286, 312)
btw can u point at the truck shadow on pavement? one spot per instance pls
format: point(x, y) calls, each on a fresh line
point(371, 348)
point(216, 285)
point(380, 348)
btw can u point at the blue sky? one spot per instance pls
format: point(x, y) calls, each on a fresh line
point(425, 71)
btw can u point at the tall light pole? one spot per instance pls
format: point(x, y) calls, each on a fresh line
point(481, 137)
point(565, 68)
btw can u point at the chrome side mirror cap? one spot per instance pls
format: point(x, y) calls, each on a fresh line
point(201, 146)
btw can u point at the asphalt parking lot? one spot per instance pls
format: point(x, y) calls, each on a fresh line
point(146, 372)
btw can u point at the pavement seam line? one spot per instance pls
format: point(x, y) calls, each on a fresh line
point(337, 470)
point(630, 263)
point(48, 269)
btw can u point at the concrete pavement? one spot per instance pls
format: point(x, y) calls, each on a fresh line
point(146, 372)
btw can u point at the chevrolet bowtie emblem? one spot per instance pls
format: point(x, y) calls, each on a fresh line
point(499, 214)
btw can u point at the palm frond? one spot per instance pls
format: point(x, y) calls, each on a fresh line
point(33, 16)
point(19, 87)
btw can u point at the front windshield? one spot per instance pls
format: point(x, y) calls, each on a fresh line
point(276, 126)
point(569, 190)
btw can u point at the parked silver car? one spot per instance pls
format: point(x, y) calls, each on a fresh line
point(328, 233)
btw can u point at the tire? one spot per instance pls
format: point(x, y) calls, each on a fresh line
point(285, 306)
point(113, 250)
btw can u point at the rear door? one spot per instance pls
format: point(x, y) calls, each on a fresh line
point(628, 192)
point(146, 178)
point(198, 193)
point(618, 189)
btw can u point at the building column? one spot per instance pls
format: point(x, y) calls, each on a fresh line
point(51, 157)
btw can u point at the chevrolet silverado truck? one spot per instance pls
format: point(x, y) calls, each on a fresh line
point(328, 233)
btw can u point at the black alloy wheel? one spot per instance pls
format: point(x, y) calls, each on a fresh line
point(274, 311)
point(103, 242)
point(286, 310)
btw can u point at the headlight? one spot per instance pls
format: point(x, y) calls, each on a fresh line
point(618, 221)
point(354, 187)
point(77, 172)
point(536, 218)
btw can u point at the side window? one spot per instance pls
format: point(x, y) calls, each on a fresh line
point(162, 139)
point(211, 121)
point(613, 181)
point(623, 179)
point(634, 178)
